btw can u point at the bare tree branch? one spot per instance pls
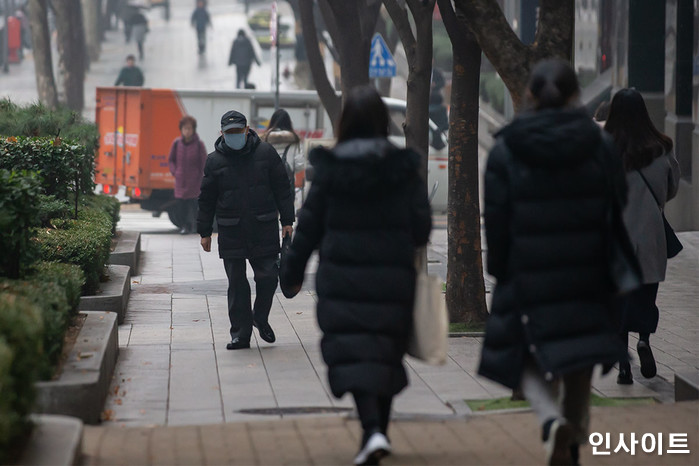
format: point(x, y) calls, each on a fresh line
point(399, 15)
point(326, 92)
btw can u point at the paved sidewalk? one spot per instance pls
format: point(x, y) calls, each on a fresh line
point(174, 369)
point(491, 439)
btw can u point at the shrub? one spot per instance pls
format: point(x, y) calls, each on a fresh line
point(18, 214)
point(68, 276)
point(51, 208)
point(21, 328)
point(108, 204)
point(492, 90)
point(55, 314)
point(65, 167)
point(38, 120)
point(84, 242)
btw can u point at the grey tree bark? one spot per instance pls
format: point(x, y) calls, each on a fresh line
point(465, 284)
point(511, 58)
point(71, 48)
point(418, 49)
point(92, 26)
point(41, 45)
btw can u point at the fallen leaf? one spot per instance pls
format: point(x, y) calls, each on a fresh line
point(142, 411)
point(299, 313)
point(116, 389)
point(82, 355)
point(107, 415)
point(118, 401)
point(135, 282)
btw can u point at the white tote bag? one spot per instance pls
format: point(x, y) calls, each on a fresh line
point(428, 341)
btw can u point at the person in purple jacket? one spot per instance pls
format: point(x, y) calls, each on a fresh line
point(187, 159)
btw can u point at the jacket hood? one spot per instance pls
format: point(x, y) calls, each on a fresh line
point(280, 137)
point(363, 165)
point(251, 143)
point(552, 137)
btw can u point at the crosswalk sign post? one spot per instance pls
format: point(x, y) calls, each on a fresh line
point(381, 62)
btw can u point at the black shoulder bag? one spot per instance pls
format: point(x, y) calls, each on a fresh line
point(674, 246)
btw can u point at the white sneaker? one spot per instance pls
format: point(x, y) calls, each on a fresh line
point(374, 449)
point(557, 442)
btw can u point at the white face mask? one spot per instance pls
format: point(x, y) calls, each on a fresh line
point(235, 141)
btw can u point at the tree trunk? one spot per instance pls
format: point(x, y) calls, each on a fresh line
point(356, 23)
point(326, 92)
point(93, 37)
point(41, 47)
point(511, 58)
point(71, 48)
point(418, 50)
point(465, 285)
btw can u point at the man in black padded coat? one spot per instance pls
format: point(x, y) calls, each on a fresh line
point(246, 187)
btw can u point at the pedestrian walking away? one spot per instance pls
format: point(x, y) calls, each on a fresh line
point(139, 29)
point(652, 174)
point(546, 202)
point(246, 187)
point(187, 159)
point(201, 20)
point(367, 211)
point(130, 75)
point(242, 55)
point(280, 133)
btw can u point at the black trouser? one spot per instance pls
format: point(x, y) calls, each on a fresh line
point(188, 210)
point(374, 411)
point(201, 40)
point(240, 311)
point(241, 75)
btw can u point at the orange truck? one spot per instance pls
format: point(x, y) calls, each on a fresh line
point(138, 125)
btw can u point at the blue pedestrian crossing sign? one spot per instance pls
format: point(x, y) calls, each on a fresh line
point(381, 62)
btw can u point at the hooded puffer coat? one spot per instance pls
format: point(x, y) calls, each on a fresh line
point(366, 212)
point(247, 190)
point(546, 202)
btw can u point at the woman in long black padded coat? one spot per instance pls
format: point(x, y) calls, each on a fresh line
point(366, 212)
point(546, 201)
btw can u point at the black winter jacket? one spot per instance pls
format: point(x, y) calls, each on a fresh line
point(546, 205)
point(366, 212)
point(247, 190)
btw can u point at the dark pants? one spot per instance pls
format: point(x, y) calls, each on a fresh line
point(374, 411)
point(240, 311)
point(201, 40)
point(241, 76)
point(188, 210)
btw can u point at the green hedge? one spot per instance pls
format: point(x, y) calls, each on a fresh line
point(38, 120)
point(50, 299)
point(65, 167)
point(108, 204)
point(19, 198)
point(51, 208)
point(69, 277)
point(84, 242)
point(21, 346)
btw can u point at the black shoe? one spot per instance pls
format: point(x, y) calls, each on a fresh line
point(648, 368)
point(266, 332)
point(625, 377)
point(575, 454)
point(238, 343)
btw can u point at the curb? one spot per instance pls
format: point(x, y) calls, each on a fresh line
point(113, 295)
point(127, 251)
point(466, 334)
point(81, 389)
point(55, 440)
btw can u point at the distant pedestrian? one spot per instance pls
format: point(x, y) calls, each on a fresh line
point(242, 55)
point(139, 29)
point(246, 187)
point(130, 75)
point(280, 133)
point(652, 174)
point(187, 159)
point(201, 20)
point(546, 199)
point(367, 212)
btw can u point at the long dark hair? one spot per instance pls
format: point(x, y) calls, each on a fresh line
point(280, 120)
point(638, 140)
point(364, 115)
point(552, 84)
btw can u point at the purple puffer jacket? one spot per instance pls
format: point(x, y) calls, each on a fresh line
point(187, 166)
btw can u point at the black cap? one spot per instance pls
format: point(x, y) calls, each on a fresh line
point(233, 119)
